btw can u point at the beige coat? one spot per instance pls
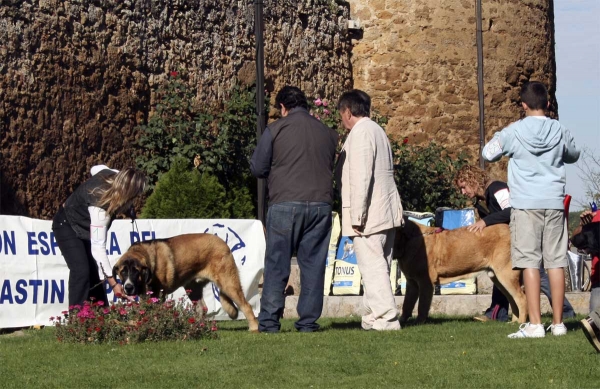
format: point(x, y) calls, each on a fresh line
point(365, 177)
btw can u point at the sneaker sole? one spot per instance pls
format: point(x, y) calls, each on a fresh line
point(589, 333)
point(527, 337)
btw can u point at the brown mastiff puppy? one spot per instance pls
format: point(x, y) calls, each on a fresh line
point(427, 257)
point(191, 261)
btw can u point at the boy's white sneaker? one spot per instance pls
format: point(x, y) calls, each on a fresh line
point(557, 329)
point(528, 330)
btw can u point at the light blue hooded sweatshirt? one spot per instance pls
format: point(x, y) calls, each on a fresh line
point(538, 148)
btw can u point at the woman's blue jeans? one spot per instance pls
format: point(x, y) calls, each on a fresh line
point(303, 228)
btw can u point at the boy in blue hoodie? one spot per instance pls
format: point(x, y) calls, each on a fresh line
point(538, 148)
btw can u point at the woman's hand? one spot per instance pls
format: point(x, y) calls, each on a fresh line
point(118, 289)
point(477, 227)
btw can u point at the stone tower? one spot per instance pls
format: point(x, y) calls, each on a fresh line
point(418, 61)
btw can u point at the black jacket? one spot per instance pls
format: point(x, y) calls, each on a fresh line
point(296, 154)
point(494, 214)
point(76, 206)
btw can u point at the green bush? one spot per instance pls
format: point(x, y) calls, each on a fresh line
point(424, 176)
point(241, 203)
point(219, 139)
point(186, 193)
point(221, 143)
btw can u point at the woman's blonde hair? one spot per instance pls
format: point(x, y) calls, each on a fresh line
point(122, 188)
point(472, 176)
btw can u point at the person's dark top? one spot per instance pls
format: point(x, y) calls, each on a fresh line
point(498, 206)
point(76, 206)
point(296, 154)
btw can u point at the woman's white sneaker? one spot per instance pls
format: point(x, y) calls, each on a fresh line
point(528, 330)
point(557, 329)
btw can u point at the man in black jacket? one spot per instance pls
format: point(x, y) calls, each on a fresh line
point(296, 155)
point(477, 185)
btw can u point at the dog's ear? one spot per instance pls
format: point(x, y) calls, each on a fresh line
point(147, 275)
point(115, 271)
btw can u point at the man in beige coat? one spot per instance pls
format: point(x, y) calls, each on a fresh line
point(371, 208)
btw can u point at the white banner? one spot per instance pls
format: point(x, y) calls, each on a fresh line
point(34, 276)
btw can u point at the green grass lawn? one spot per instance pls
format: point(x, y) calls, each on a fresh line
point(447, 352)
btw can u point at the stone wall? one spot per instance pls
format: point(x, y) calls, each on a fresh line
point(77, 77)
point(418, 60)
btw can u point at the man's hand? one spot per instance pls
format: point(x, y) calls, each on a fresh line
point(477, 227)
point(358, 229)
point(586, 217)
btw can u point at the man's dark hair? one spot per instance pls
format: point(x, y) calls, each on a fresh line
point(535, 95)
point(291, 97)
point(357, 101)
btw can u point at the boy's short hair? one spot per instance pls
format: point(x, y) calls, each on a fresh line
point(472, 176)
point(535, 95)
point(291, 97)
point(357, 101)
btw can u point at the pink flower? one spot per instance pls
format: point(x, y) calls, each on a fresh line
point(65, 312)
point(191, 320)
point(142, 311)
point(154, 300)
point(106, 311)
point(122, 311)
point(51, 317)
point(325, 103)
point(318, 102)
point(326, 111)
point(317, 117)
point(205, 308)
point(174, 74)
point(97, 329)
point(100, 303)
point(213, 328)
point(149, 293)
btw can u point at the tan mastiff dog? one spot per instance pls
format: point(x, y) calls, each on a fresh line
point(191, 261)
point(429, 256)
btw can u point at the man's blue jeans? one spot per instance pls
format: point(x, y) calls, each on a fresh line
point(305, 228)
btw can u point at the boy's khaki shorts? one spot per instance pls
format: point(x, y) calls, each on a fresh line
point(537, 234)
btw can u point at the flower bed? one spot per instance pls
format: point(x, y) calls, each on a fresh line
point(150, 319)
